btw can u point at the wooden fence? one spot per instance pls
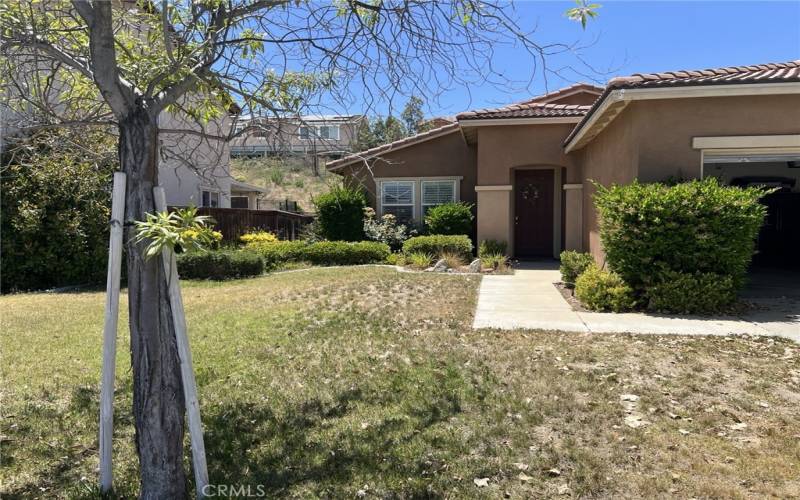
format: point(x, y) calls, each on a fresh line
point(234, 222)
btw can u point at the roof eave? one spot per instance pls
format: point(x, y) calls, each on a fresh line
point(626, 95)
point(539, 120)
point(389, 148)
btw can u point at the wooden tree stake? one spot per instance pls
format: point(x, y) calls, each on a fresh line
point(110, 331)
point(187, 374)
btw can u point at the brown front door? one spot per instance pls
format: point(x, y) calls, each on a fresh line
point(533, 210)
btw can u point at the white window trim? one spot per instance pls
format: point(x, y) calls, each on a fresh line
point(417, 191)
point(210, 191)
point(422, 183)
point(413, 196)
point(314, 132)
point(744, 145)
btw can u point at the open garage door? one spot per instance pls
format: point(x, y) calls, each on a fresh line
point(779, 239)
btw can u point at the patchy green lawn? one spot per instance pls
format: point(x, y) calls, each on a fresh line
point(336, 383)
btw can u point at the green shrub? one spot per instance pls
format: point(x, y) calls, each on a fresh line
point(496, 261)
point(324, 253)
point(438, 244)
point(396, 259)
point(340, 214)
point(601, 290)
point(449, 218)
point(341, 253)
point(700, 293)
point(419, 260)
point(692, 227)
point(54, 209)
point(573, 264)
point(219, 265)
point(492, 247)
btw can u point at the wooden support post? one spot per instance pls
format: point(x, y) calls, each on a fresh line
point(187, 374)
point(110, 331)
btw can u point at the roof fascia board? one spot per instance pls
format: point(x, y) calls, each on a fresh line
point(545, 100)
point(732, 90)
point(393, 149)
point(519, 121)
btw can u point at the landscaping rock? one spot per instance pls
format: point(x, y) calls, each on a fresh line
point(440, 266)
point(475, 266)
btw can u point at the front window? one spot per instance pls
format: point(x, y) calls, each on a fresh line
point(397, 198)
point(329, 132)
point(304, 132)
point(437, 193)
point(210, 199)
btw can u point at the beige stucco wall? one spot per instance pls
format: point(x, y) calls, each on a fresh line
point(445, 156)
point(666, 128)
point(504, 149)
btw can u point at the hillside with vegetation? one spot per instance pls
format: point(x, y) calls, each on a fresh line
point(293, 179)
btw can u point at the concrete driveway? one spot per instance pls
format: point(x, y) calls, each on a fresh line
point(528, 299)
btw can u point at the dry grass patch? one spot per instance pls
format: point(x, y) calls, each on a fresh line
point(364, 381)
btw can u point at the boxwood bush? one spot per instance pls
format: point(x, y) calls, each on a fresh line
point(219, 265)
point(573, 264)
point(601, 290)
point(340, 214)
point(699, 293)
point(324, 253)
point(649, 230)
point(449, 218)
point(438, 244)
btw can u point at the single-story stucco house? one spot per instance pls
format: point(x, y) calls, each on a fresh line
point(528, 167)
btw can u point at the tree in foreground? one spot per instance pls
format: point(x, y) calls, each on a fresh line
point(152, 69)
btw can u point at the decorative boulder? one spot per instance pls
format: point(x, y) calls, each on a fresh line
point(475, 266)
point(440, 266)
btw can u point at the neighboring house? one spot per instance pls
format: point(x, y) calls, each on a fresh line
point(330, 136)
point(529, 167)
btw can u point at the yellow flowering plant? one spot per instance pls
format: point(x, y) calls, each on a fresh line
point(258, 237)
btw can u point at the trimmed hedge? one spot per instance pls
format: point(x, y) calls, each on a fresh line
point(449, 218)
point(573, 264)
point(340, 214)
point(699, 293)
point(324, 253)
point(438, 243)
point(649, 230)
point(601, 290)
point(219, 265)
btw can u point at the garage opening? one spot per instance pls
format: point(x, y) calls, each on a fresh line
point(778, 245)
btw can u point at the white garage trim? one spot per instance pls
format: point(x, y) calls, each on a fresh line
point(738, 142)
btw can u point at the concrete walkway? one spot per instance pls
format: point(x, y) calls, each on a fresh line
point(528, 299)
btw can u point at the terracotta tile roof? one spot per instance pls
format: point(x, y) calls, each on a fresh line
point(758, 73)
point(572, 89)
point(372, 152)
point(526, 110)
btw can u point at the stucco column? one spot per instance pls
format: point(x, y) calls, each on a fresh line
point(573, 222)
point(494, 214)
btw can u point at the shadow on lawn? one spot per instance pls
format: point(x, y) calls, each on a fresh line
point(249, 444)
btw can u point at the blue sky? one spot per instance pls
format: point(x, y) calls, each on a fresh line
point(643, 36)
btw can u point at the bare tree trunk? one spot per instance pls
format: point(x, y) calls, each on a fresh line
point(158, 406)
